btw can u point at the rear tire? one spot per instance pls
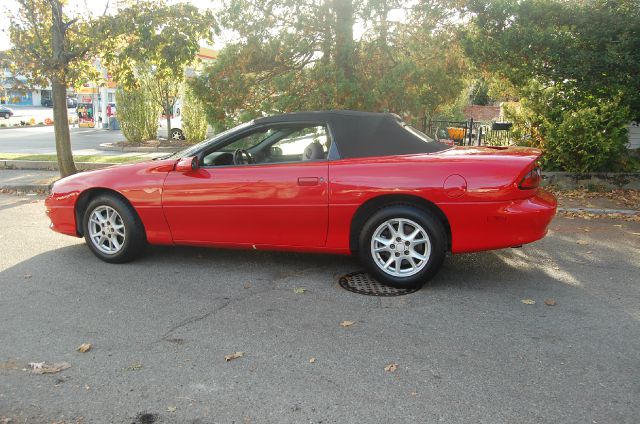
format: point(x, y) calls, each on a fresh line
point(402, 246)
point(112, 229)
point(177, 134)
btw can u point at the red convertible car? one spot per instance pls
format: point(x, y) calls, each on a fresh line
point(337, 182)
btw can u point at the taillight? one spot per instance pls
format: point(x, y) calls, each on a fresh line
point(531, 180)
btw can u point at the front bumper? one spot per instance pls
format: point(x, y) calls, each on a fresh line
point(60, 208)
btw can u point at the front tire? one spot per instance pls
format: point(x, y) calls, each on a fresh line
point(402, 246)
point(112, 229)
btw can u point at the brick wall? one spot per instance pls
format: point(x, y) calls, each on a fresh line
point(482, 113)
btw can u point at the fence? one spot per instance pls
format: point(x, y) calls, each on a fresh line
point(469, 133)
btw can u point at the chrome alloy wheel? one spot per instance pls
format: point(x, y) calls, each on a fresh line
point(400, 247)
point(106, 230)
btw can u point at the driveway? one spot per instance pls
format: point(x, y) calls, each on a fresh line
point(467, 348)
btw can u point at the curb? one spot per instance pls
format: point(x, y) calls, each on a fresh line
point(26, 188)
point(601, 211)
point(15, 127)
point(45, 165)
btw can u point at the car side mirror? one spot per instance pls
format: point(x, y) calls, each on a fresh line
point(187, 164)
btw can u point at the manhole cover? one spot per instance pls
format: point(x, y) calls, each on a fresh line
point(360, 282)
point(145, 418)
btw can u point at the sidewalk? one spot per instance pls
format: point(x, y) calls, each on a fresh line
point(27, 180)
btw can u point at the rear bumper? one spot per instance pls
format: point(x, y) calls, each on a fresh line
point(496, 225)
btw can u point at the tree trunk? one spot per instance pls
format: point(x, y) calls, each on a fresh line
point(343, 10)
point(59, 92)
point(344, 50)
point(167, 110)
point(61, 128)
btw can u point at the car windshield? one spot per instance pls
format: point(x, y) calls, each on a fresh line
point(190, 151)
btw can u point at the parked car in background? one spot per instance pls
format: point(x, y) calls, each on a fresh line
point(176, 133)
point(5, 112)
point(71, 102)
point(338, 182)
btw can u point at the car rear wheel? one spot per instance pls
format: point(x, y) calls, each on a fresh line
point(177, 134)
point(112, 229)
point(402, 246)
point(6, 115)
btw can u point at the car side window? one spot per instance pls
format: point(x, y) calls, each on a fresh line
point(277, 144)
point(249, 141)
point(302, 144)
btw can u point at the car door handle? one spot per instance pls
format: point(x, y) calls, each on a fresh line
point(308, 181)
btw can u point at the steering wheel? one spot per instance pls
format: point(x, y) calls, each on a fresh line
point(241, 157)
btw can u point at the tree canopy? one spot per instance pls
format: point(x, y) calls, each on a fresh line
point(574, 64)
point(290, 55)
point(50, 47)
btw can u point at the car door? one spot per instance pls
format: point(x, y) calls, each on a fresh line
point(270, 203)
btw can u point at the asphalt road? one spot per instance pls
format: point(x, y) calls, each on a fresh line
point(467, 348)
point(41, 140)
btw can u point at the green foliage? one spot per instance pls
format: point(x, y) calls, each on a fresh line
point(292, 55)
point(575, 66)
point(194, 119)
point(589, 139)
point(137, 113)
point(479, 92)
point(35, 55)
point(160, 40)
point(585, 138)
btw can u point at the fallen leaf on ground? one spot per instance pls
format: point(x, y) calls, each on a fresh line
point(550, 302)
point(528, 301)
point(171, 409)
point(391, 367)
point(589, 252)
point(233, 356)
point(636, 234)
point(414, 393)
point(312, 360)
point(134, 367)
point(47, 368)
point(247, 285)
point(347, 323)
point(84, 347)
point(617, 225)
point(11, 364)
point(582, 242)
point(299, 290)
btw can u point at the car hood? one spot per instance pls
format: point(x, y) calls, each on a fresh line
point(116, 176)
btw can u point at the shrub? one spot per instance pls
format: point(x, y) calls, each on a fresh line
point(194, 119)
point(590, 139)
point(138, 114)
point(586, 136)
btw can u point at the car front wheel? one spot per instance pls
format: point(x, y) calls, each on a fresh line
point(112, 229)
point(402, 246)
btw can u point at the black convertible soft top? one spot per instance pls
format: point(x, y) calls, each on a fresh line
point(362, 134)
